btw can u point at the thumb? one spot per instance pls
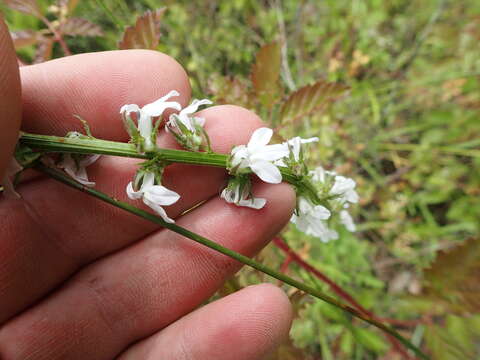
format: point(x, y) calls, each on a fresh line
point(10, 98)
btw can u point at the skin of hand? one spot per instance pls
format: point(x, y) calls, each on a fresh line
point(80, 279)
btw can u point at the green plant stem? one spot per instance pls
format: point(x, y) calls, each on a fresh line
point(89, 145)
point(60, 176)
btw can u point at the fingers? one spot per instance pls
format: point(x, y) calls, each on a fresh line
point(246, 325)
point(70, 229)
point(95, 86)
point(10, 98)
point(143, 288)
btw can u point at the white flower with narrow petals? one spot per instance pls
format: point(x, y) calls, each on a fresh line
point(186, 127)
point(12, 169)
point(77, 167)
point(295, 144)
point(347, 220)
point(154, 196)
point(311, 220)
point(186, 118)
point(259, 157)
point(238, 192)
point(144, 117)
point(345, 189)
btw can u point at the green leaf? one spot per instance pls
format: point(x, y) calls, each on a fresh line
point(79, 26)
point(310, 99)
point(266, 74)
point(29, 7)
point(453, 277)
point(455, 339)
point(145, 34)
point(370, 340)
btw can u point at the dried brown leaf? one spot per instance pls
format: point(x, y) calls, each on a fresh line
point(145, 34)
point(310, 99)
point(266, 74)
point(44, 50)
point(79, 26)
point(24, 38)
point(29, 7)
point(454, 277)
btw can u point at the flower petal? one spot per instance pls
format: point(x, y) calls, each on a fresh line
point(260, 137)
point(266, 171)
point(255, 203)
point(159, 210)
point(193, 107)
point(158, 107)
point(270, 152)
point(132, 194)
point(160, 195)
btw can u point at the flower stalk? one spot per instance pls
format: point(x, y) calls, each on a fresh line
point(89, 145)
point(61, 177)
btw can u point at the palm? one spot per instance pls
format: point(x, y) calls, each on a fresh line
point(80, 279)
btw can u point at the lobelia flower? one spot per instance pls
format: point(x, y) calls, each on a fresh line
point(75, 164)
point(12, 169)
point(294, 145)
point(342, 191)
point(259, 157)
point(76, 167)
point(311, 220)
point(238, 192)
point(154, 196)
point(186, 127)
point(145, 133)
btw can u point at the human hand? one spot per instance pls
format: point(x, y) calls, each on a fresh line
point(82, 280)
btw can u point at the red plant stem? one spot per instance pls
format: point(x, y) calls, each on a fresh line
point(279, 242)
point(58, 37)
point(286, 262)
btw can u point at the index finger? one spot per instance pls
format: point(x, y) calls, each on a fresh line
point(10, 98)
point(95, 86)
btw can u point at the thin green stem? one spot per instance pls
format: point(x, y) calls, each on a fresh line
point(60, 176)
point(89, 145)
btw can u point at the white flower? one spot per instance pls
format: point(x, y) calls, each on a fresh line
point(259, 157)
point(145, 114)
point(76, 168)
point(310, 220)
point(241, 196)
point(347, 220)
point(345, 188)
point(185, 117)
point(154, 196)
point(8, 189)
point(294, 145)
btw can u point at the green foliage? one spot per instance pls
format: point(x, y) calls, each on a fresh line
point(407, 131)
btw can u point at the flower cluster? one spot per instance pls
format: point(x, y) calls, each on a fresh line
point(323, 197)
point(184, 126)
point(340, 192)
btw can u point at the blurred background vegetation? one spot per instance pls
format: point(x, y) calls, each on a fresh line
point(393, 96)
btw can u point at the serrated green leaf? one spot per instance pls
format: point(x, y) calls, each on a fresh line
point(310, 99)
point(145, 34)
point(266, 74)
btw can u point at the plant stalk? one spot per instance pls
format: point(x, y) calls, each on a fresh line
point(63, 178)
